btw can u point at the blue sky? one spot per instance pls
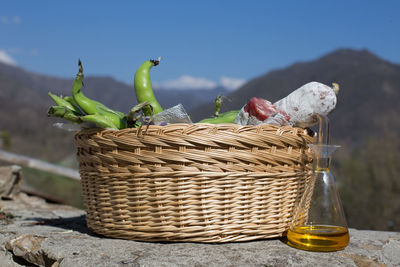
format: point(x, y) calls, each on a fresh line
point(203, 43)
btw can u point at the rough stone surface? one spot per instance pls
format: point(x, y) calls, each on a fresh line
point(36, 233)
point(10, 181)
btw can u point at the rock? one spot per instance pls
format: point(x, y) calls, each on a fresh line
point(28, 246)
point(391, 251)
point(43, 234)
point(10, 181)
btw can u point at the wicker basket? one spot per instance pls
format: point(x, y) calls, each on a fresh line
point(193, 182)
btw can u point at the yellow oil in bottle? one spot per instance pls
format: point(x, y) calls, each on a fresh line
point(318, 237)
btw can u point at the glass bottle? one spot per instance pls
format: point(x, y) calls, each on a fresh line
point(319, 223)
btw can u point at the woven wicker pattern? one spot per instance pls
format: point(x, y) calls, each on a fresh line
point(193, 182)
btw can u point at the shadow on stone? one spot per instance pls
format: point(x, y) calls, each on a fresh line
point(21, 261)
point(77, 224)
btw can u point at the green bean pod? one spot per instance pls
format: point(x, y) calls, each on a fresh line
point(92, 107)
point(119, 122)
point(218, 104)
point(71, 100)
point(100, 120)
point(64, 112)
point(143, 89)
point(227, 117)
point(104, 109)
point(85, 103)
point(116, 117)
point(63, 103)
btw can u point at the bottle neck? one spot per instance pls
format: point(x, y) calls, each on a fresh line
point(322, 164)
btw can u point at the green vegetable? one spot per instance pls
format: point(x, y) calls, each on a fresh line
point(132, 118)
point(143, 88)
point(86, 104)
point(79, 108)
point(102, 109)
point(120, 123)
point(71, 100)
point(63, 103)
point(218, 104)
point(92, 107)
point(64, 112)
point(116, 117)
point(227, 117)
point(100, 120)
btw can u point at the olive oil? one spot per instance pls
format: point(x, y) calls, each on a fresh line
point(318, 237)
point(319, 223)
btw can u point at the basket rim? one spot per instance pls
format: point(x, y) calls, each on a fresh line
point(195, 126)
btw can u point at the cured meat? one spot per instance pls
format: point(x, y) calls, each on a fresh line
point(300, 108)
point(259, 111)
point(305, 103)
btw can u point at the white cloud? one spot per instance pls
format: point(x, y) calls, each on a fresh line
point(3, 20)
point(7, 59)
point(231, 83)
point(187, 82)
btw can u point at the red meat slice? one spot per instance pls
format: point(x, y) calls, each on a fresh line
point(262, 109)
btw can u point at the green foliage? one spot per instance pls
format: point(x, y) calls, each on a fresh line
point(6, 139)
point(369, 185)
point(54, 186)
